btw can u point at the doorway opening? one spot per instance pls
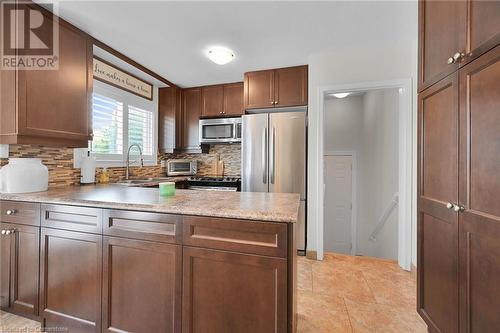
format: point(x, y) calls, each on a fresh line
point(367, 170)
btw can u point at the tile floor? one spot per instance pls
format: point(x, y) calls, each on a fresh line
point(341, 294)
point(344, 294)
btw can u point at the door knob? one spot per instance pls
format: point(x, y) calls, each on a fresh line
point(449, 205)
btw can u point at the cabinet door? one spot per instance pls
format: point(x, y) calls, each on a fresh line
point(479, 189)
point(191, 116)
point(484, 26)
point(141, 286)
point(168, 109)
point(437, 278)
point(20, 269)
point(259, 89)
point(70, 280)
point(290, 86)
point(228, 292)
point(233, 99)
point(212, 101)
point(54, 105)
point(442, 34)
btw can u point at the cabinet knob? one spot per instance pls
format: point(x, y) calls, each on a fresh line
point(10, 211)
point(449, 205)
point(458, 208)
point(458, 56)
point(8, 231)
point(272, 102)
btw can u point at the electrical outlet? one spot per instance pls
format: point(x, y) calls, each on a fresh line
point(78, 155)
point(4, 151)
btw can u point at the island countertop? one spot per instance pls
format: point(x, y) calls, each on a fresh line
point(274, 207)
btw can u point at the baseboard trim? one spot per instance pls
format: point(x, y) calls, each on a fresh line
point(312, 255)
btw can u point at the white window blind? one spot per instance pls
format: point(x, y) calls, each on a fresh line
point(119, 120)
point(140, 128)
point(107, 122)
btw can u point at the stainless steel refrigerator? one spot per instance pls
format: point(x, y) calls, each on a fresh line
point(273, 156)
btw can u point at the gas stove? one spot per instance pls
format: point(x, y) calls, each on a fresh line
point(214, 183)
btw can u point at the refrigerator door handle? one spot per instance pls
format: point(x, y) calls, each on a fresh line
point(264, 155)
point(273, 153)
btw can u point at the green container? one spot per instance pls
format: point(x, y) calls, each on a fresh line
point(167, 189)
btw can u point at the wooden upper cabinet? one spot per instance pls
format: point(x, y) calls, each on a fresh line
point(442, 34)
point(454, 33)
point(191, 111)
point(290, 86)
point(233, 99)
point(222, 100)
point(484, 27)
point(259, 89)
point(276, 88)
point(53, 106)
point(212, 101)
point(169, 109)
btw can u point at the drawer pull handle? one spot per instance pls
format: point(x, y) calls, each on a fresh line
point(11, 211)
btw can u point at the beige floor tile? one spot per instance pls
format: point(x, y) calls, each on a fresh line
point(304, 274)
point(381, 318)
point(393, 289)
point(12, 323)
point(322, 314)
point(339, 280)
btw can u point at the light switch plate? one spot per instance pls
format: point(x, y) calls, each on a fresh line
point(4, 151)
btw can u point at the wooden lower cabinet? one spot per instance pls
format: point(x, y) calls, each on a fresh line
point(19, 262)
point(228, 292)
point(70, 280)
point(141, 286)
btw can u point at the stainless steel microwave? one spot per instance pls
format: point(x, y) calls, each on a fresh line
point(220, 130)
point(182, 167)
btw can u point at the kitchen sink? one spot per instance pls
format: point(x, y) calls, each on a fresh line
point(132, 182)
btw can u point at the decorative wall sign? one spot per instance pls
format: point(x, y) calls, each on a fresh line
point(108, 73)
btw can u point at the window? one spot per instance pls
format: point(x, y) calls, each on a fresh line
point(119, 120)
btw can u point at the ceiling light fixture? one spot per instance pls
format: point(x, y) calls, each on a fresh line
point(220, 55)
point(340, 95)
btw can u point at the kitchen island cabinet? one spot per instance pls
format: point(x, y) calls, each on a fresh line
point(19, 257)
point(70, 280)
point(114, 258)
point(141, 286)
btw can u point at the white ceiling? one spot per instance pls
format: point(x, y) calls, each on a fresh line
point(170, 37)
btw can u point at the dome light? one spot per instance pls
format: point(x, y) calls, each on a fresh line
point(220, 55)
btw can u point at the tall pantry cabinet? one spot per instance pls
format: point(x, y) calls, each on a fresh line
point(459, 166)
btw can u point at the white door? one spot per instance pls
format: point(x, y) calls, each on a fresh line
point(338, 204)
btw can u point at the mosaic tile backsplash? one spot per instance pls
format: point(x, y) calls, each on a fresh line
point(59, 161)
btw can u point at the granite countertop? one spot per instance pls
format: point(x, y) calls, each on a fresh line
point(275, 207)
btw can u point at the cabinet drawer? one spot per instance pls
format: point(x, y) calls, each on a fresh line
point(140, 225)
point(20, 212)
point(72, 218)
point(264, 238)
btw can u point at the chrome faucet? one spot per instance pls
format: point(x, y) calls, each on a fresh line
point(128, 159)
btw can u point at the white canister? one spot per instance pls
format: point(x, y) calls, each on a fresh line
point(23, 175)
